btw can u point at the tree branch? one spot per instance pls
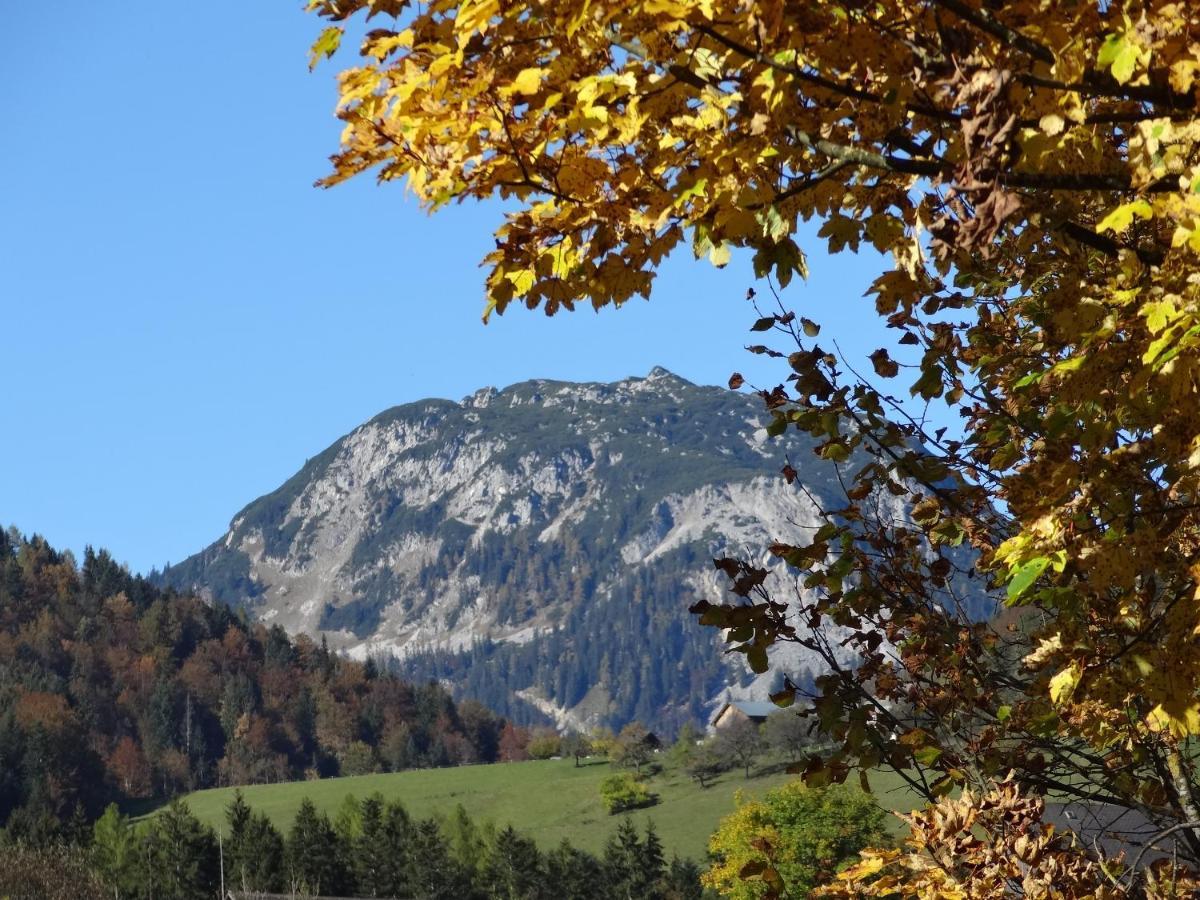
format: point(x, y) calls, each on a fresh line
point(984, 21)
point(819, 80)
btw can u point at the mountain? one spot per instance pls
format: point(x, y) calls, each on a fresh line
point(535, 548)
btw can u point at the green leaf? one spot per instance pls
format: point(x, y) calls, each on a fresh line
point(929, 385)
point(1023, 579)
point(756, 656)
point(928, 756)
point(1119, 55)
point(1003, 713)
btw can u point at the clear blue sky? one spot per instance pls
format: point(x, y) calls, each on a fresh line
point(184, 319)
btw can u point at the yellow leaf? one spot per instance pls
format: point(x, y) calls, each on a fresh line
point(1159, 314)
point(325, 45)
point(1063, 685)
point(1121, 218)
point(1052, 124)
point(528, 81)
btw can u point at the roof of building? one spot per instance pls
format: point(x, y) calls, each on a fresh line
point(755, 709)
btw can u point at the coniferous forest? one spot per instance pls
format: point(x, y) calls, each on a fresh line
point(372, 848)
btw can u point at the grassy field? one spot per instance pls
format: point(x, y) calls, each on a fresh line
point(548, 800)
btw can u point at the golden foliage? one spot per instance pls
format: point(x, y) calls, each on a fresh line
point(1033, 168)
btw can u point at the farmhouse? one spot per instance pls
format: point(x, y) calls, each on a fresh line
point(739, 710)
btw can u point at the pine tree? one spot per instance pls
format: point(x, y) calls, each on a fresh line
point(432, 873)
point(313, 852)
point(575, 874)
point(513, 870)
point(182, 855)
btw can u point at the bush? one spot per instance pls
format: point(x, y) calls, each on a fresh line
point(809, 833)
point(544, 744)
point(623, 792)
point(48, 873)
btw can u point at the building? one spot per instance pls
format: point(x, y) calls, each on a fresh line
point(741, 710)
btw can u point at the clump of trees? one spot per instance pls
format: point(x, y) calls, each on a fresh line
point(741, 744)
point(371, 848)
point(111, 689)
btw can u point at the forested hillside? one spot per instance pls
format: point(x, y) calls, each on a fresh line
point(539, 546)
point(111, 689)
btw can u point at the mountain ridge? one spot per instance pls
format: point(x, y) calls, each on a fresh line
point(535, 546)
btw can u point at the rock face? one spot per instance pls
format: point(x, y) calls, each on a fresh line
point(536, 548)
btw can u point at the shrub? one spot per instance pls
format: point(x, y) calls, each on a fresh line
point(809, 832)
point(623, 792)
point(544, 744)
point(48, 873)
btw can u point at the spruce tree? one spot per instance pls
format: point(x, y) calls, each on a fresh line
point(513, 870)
point(181, 856)
point(313, 852)
point(266, 864)
point(373, 850)
point(432, 872)
point(236, 849)
point(575, 874)
point(393, 840)
point(633, 867)
point(681, 881)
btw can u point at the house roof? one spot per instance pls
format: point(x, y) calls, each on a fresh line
point(755, 709)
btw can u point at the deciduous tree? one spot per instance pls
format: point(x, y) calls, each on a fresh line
point(1032, 169)
point(791, 840)
point(741, 742)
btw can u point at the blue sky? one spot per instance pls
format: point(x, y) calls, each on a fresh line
point(184, 319)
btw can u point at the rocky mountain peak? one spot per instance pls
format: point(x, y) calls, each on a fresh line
point(536, 546)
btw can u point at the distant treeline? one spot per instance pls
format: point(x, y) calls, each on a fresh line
point(371, 848)
point(111, 689)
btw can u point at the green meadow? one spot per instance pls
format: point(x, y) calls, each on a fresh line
point(549, 799)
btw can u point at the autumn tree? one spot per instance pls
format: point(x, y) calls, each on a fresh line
point(741, 742)
point(1031, 168)
point(787, 733)
point(576, 745)
point(794, 839)
point(633, 747)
